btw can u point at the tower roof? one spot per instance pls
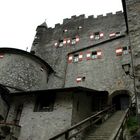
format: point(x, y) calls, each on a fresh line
point(44, 25)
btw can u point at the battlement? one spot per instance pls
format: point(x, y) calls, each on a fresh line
point(82, 17)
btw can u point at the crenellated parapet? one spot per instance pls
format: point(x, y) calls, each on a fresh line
point(88, 29)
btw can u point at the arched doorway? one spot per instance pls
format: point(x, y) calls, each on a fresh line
point(121, 100)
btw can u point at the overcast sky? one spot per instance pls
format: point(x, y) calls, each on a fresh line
point(19, 18)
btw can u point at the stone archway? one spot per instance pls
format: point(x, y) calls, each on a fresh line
point(121, 99)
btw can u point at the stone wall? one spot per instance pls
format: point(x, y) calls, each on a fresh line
point(42, 125)
point(82, 107)
point(82, 28)
point(22, 71)
point(133, 20)
point(104, 73)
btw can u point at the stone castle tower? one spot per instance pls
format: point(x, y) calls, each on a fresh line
point(73, 70)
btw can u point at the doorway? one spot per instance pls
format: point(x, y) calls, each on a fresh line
point(121, 101)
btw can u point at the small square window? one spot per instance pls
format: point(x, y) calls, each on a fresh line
point(97, 36)
point(61, 43)
point(44, 103)
point(126, 50)
point(118, 33)
point(73, 41)
point(76, 58)
point(94, 55)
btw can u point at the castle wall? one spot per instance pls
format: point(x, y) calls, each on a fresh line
point(133, 20)
point(23, 72)
point(82, 107)
point(42, 125)
point(103, 73)
point(80, 27)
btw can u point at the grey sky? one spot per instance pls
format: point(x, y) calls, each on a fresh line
point(19, 18)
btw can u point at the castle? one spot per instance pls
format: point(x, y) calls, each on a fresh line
point(73, 70)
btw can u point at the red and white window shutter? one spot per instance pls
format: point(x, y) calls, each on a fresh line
point(78, 79)
point(99, 54)
point(64, 41)
point(77, 39)
point(91, 36)
point(70, 59)
point(101, 35)
point(88, 55)
point(119, 51)
point(80, 56)
point(112, 35)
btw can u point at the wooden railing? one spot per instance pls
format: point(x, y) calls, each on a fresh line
point(119, 133)
point(73, 131)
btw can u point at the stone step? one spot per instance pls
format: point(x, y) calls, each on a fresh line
point(105, 130)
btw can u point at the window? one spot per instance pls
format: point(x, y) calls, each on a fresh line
point(114, 34)
point(126, 50)
point(119, 51)
point(45, 103)
point(76, 58)
point(123, 50)
point(118, 33)
point(97, 36)
point(70, 58)
point(61, 43)
point(80, 79)
point(94, 55)
point(88, 55)
point(73, 41)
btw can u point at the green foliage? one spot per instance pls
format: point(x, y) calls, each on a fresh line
point(132, 125)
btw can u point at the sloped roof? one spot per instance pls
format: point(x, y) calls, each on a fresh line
point(61, 90)
point(43, 25)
